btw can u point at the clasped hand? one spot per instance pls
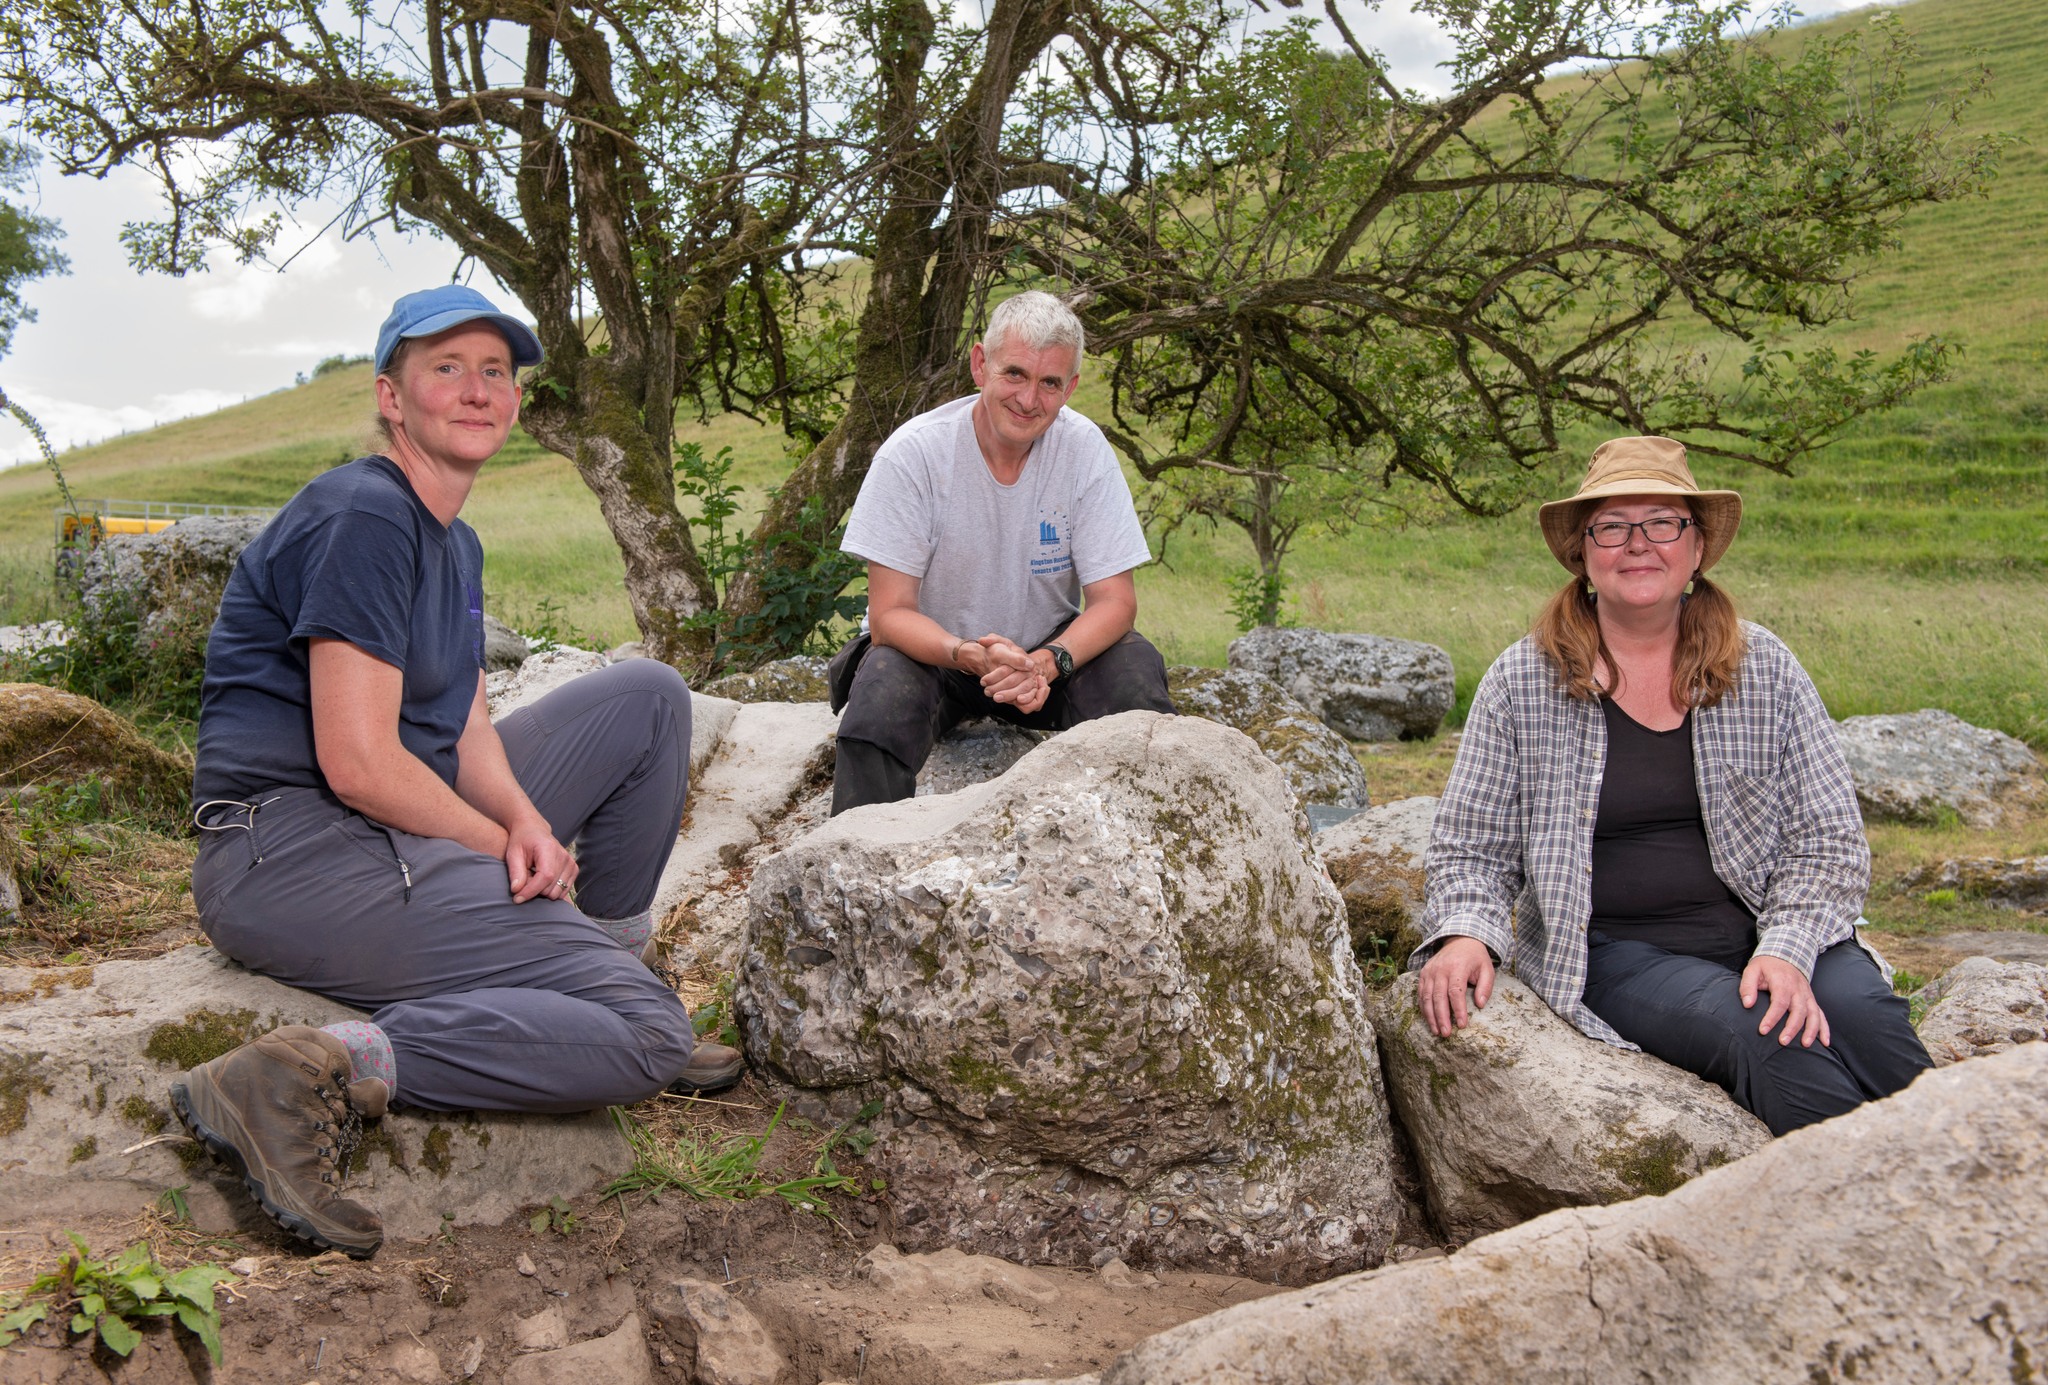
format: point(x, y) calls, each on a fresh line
point(1008, 673)
point(536, 864)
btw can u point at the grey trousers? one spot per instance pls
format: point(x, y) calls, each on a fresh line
point(489, 1005)
point(1688, 1011)
point(898, 708)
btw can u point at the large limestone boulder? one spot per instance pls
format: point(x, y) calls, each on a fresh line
point(170, 580)
point(1318, 764)
point(87, 1056)
point(801, 679)
point(1911, 766)
point(1108, 1001)
point(48, 737)
point(1375, 860)
point(1519, 1114)
point(1981, 1006)
point(1368, 687)
point(1895, 1245)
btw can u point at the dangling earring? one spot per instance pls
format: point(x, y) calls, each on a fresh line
point(1591, 595)
point(1690, 580)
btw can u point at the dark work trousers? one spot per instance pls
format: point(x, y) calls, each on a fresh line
point(1688, 1011)
point(898, 708)
point(489, 1005)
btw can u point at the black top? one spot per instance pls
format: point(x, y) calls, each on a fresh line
point(1653, 879)
point(355, 556)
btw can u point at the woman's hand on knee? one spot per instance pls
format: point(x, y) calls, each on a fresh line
point(1440, 989)
point(536, 865)
point(1792, 999)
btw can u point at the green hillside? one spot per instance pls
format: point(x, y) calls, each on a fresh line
point(1908, 565)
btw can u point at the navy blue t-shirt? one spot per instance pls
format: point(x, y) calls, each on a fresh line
point(354, 556)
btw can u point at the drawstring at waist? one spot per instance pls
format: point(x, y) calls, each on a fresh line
point(234, 806)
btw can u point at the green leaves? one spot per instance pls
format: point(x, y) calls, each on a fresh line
point(112, 1297)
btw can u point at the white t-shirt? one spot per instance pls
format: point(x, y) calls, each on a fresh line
point(1009, 560)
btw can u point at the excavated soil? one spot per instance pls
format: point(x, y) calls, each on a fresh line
point(447, 1309)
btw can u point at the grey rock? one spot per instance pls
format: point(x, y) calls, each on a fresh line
point(1108, 1000)
point(1910, 766)
point(32, 639)
point(1375, 860)
point(539, 674)
point(504, 648)
point(87, 1056)
point(1918, 1222)
point(2006, 947)
point(1367, 687)
point(631, 649)
point(1318, 764)
point(729, 1344)
point(1519, 1114)
point(769, 759)
point(547, 1330)
point(1980, 1006)
point(11, 860)
point(618, 1358)
point(2020, 883)
point(952, 1276)
point(974, 752)
point(173, 577)
point(801, 679)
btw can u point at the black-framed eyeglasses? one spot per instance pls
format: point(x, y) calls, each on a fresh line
point(1613, 533)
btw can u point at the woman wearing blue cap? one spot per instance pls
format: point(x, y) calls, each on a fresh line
point(372, 836)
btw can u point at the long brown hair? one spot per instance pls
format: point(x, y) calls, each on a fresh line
point(1710, 643)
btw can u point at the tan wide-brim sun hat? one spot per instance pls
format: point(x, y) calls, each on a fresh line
point(1642, 466)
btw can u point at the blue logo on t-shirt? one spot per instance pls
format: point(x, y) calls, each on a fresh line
point(1054, 555)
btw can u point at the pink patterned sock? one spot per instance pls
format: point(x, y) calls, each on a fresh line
point(369, 1051)
point(630, 933)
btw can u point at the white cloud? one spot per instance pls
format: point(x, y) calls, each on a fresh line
point(74, 423)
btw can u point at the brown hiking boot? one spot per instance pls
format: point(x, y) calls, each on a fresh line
point(712, 1068)
point(282, 1112)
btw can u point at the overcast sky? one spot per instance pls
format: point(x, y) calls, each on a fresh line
point(115, 351)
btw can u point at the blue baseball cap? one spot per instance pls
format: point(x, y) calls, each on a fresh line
point(434, 310)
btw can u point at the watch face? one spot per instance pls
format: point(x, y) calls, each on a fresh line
point(1061, 660)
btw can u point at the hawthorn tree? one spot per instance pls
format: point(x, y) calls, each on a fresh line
point(677, 192)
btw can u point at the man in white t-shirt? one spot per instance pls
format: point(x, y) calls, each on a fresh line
point(1000, 540)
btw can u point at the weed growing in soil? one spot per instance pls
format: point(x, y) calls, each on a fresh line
point(555, 1216)
point(111, 1297)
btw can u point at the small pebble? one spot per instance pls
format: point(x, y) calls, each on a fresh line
point(245, 1266)
point(525, 1266)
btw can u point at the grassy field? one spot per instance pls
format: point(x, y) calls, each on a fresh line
point(1908, 565)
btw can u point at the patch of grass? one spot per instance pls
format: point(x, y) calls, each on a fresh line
point(729, 1166)
point(1897, 849)
point(1407, 769)
point(96, 884)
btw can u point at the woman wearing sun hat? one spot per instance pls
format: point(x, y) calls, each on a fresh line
point(1651, 816)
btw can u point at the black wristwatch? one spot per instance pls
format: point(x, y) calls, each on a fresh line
point(1061, 660)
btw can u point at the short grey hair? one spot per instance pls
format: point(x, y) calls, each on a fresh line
point(1040, 321)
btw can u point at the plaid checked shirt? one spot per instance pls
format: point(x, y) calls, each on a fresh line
point(1510, 860)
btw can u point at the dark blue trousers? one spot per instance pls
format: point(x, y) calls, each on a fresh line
point(1688, 1011)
